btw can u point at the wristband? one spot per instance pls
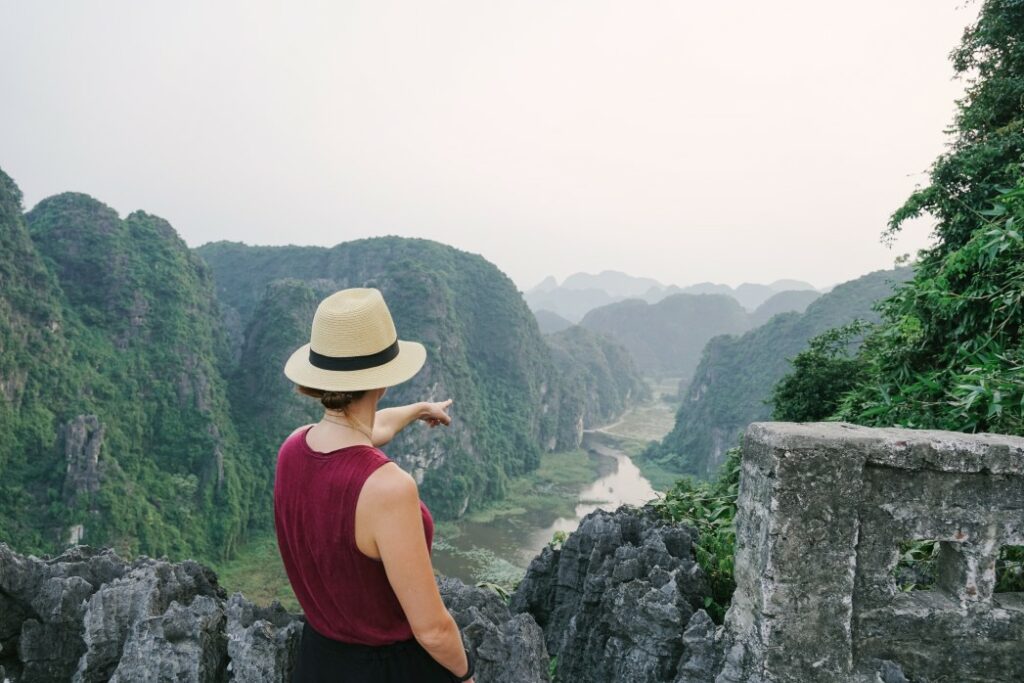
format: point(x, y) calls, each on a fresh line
point(469, 674)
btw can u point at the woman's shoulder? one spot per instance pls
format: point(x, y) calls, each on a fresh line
point(389, 482)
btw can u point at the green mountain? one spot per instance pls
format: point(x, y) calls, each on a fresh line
point(737, 373)
point(666, 338)
point(142, 412)
point(599, 374)
point(484, 347)
point(116, 426)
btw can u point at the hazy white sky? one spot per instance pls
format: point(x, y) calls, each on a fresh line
point(686, 141)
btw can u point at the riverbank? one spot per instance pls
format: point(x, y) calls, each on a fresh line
point(647, 422)
point(498, 548)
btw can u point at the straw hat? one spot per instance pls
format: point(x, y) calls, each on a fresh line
point(354, 346)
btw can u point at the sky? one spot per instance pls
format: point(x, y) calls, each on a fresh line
point(741, 141)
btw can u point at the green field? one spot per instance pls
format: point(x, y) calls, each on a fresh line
point(258, 573)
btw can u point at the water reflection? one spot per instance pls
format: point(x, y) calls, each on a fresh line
point(624, 486)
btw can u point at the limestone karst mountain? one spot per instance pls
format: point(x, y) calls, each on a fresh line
point(550, 322)
point(583, 292)
point(736, 374)
point(485, 351)
point(115, 423)
point(142, 412)
point(666, 338)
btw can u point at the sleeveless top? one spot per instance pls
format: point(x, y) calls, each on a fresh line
point(344, 593)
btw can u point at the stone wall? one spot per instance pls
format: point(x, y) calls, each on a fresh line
point(823, 511)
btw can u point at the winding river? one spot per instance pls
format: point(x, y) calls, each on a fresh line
point(501, 549)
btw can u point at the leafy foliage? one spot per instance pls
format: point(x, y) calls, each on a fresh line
point(950, 352)
point(113, 318)
point(710, 507)
point(823, 372)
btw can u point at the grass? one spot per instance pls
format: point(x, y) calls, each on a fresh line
point(258, 573)
point(551, 487)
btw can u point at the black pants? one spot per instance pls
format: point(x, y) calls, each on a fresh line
point(324, 660)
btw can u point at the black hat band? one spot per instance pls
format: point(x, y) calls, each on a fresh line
point(350, 363)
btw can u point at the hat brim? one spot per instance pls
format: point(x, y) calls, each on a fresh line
point(410, 358)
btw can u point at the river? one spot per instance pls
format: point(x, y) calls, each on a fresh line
point(499, 550)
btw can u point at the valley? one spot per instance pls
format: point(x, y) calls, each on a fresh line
point(496, 543)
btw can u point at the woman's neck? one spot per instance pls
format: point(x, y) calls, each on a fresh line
point(362, 411)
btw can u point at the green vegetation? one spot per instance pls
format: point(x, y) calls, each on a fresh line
point(113, 318)
point(258, 573)
point(710, 508)
point(822, 373)
point(514, 396)
point(118, 319)
point(945, 350)
point(598, 373)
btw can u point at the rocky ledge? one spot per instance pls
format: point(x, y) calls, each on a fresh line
point(621, 601)
point(88, 616)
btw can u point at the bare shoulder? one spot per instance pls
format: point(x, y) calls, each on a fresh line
point(390, 484)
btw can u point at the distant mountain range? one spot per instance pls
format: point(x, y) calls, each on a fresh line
point(666, 337)
point(583, 292)
point(736, 374)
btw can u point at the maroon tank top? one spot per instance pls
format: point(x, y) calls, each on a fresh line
point(343, 592)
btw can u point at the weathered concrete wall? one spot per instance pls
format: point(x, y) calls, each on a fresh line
point(823, 509)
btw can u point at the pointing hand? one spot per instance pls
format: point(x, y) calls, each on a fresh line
point(437, 413)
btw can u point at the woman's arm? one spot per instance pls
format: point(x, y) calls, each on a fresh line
point(389, 421)
point(393, 505)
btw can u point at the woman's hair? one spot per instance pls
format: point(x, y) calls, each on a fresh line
point(332, 400)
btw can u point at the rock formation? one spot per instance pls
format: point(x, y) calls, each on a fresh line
point(615, 600)
point(89, 616)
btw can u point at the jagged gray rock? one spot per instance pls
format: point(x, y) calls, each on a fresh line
point(89, 616)
point(615, 599)
point(117, 611)
point(83, 439)
point(507, 648)
point(701, 654)
point(262, 641)
point(182, 644)
point(42, 609)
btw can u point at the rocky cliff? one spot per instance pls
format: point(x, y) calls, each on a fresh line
point(621, 601)
point(89, 616)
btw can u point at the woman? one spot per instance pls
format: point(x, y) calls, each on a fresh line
point(354, 536)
